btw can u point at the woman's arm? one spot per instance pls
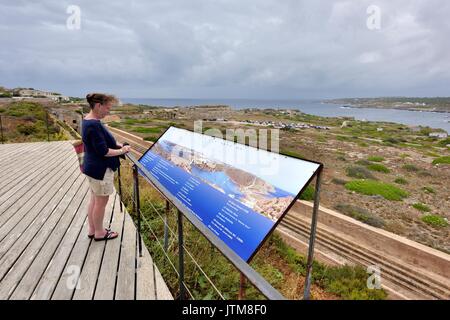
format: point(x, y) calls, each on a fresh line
point(117, 152)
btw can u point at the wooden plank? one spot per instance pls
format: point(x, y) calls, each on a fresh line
point(162, 291)
point(108, 271)
point(89, 272)
point(18, 153)
point(44, 200)
point(30, 174)
point(17, 189)
point(46, 242)
point(13, 246)
point(6, 149)
point(65, 287)
point(145, 277)
point(51, 275)
point(11, 170)
point(127, 264)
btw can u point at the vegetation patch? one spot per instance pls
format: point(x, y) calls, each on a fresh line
point(360, 214)
point(375, 159)
point(339, 181)
point(372, 188)
point(308, 194)
point(410, 168)
point(401, 180)
point(359, 172)
point(421, 207)
point(435, 221)
point(378, 167)
point(428, 190)
point(442, 160)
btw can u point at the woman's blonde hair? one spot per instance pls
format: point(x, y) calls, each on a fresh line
point(93, 98)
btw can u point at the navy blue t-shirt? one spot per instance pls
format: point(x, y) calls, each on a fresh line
point(97, 140)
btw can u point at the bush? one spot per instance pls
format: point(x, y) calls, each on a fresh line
point(378, 168)
point(27, 129)
point(372, 188)
point(360, 214)
point(442, 160)
point(435, 221)
point(421, 207)
point(359, 172)
point(428, 190)
point(401, 180)
point(444, 143)
point(363, 162)
point(375, 159)
point(410, 168)
point(308, 194)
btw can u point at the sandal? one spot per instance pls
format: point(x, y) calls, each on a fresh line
point(91, 236)
point(108, 236)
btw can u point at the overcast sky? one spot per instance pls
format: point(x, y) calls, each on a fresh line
point(279, 49)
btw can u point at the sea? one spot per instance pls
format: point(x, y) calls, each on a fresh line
point(435, 120)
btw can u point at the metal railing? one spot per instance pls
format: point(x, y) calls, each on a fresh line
point(183, 212)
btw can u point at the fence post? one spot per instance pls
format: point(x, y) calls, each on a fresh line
point(166, 228)
point(181, 253)
point(1, 127)
point(312, 238)
point(120, 187)
point(137, 204)
point(46, 122)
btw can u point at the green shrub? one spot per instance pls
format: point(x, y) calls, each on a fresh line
point(444, 142)
point(410, 168)
point(421, 207)
point(372, 188)
point(378, 168)
point(308, 194)
point(401, 180)
point(363, 162)
point(360, 214)
point(359, 172)
point(428, 190)
point(153, 139)
point(147, 130)
point(375, 159)
point(435, 221)
point(27, 129)
point(442, 160)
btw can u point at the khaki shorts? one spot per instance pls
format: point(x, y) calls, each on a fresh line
point(103, 187)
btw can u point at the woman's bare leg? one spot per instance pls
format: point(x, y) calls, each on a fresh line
point(91, 214)
point(98, 215)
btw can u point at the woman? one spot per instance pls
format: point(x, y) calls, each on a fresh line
point(101, 159)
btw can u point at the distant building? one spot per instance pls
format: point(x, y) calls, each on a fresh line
point(438, 134)
point(33, 93)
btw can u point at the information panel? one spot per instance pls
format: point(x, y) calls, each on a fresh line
point(239, 192)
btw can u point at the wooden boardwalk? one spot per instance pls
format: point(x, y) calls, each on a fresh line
point(44, 249)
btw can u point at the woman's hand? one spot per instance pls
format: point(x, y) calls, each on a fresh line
point(119, 145)
point(125, 149)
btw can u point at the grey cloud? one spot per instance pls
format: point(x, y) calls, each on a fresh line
point(205, 48)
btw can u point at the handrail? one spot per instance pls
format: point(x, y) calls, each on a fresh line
point(256, 279)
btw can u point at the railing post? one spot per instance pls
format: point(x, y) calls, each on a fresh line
point(312, 238)
point(1, 127)
point(46, 122)
point(181, 253)
point(166, 228)
point(120, 187)
point(137, 204)
point(242, 288)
